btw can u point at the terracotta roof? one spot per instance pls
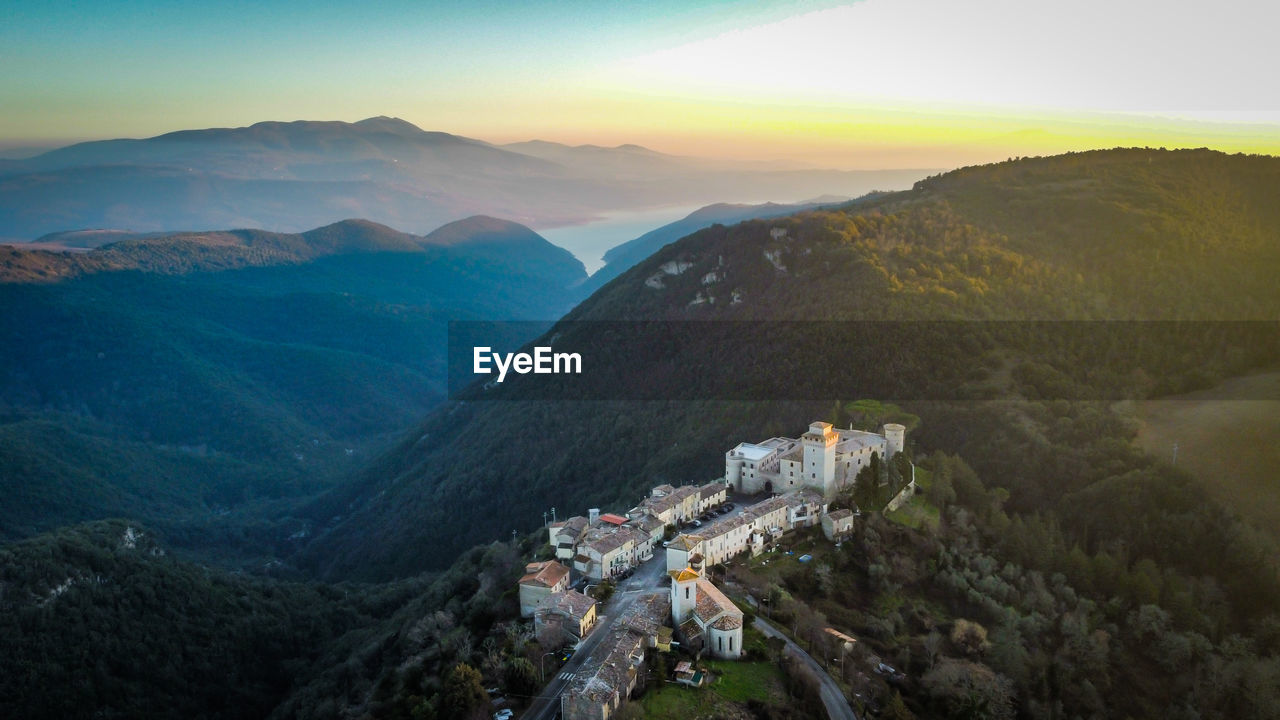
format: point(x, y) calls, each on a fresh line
point(571, 603)
point(648, 523)
point(685, 541)
point(572, 528)
point(728, 622)
point(609, 669)
point(684, 575)
point(802, 496)
point(712, 602)
point(710, 489)
point(612, 519)
point(544, 574)
point(839, 635)
point(670, 500)
point(648, 614)
point(605, 538)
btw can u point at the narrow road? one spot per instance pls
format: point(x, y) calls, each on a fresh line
point(832, 696)
point(648, 578)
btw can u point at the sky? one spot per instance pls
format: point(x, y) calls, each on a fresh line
point(870, 84)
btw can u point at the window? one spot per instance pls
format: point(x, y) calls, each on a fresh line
point(730, 643)
point(721, 644)
point(686, 593)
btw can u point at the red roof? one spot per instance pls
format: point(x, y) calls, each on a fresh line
point(613, 519)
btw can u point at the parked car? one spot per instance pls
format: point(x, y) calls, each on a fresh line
point(696, 523)
point(729, 506)
point(504, 714)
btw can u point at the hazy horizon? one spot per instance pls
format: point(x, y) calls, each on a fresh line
point(864, 85)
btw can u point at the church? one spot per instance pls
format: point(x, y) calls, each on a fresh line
point(705, 618)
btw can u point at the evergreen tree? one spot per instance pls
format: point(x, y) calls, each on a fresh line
point(463, 692)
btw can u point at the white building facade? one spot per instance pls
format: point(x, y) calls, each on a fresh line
point(823, 459)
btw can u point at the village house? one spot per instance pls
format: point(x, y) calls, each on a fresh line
point(749, 531)
point(608, 550)
point(650, 615)
point(573, 613)
point(540, 581)
point(611, 674)
point(675, 506)
point(565, 536)
point(837, 524)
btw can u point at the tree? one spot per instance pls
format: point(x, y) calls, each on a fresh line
point(932, 645)
point(896, 709)
point(970, 636)
point(521, 676)
point(969, 689)
point(463, 692)
point(604, 591)
point(777, 648)
point(941, 493)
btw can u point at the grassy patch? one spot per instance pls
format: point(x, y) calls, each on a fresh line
point(917, 512)
point(736, 684)
point(743, 681)
point(1226, 438)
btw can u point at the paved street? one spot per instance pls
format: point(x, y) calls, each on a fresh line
point(648, 579)
point(832, 697)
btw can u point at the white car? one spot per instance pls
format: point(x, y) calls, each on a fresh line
point(504, 714)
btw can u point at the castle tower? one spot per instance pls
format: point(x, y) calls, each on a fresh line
point(684, 594)
point(733, 470)
point(894, 435)
point(820, 457)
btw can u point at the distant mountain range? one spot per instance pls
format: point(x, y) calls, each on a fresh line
point(197, 381)
point(290, 176)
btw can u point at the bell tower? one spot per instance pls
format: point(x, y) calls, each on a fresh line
point(684, 594)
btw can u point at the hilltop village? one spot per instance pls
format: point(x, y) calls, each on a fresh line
point(798, 477)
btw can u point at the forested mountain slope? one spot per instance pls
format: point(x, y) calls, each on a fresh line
point(199, 382)
point(1122, 234)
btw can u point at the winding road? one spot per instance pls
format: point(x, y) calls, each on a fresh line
point(832, 696)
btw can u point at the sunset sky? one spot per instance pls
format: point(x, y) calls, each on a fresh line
point(872, 84)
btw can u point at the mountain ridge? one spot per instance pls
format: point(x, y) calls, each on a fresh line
point(296, 175)
point(204, 382)
point(1055, 238)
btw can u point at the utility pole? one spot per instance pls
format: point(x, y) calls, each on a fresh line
point(553, 514)
point(544, 518)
